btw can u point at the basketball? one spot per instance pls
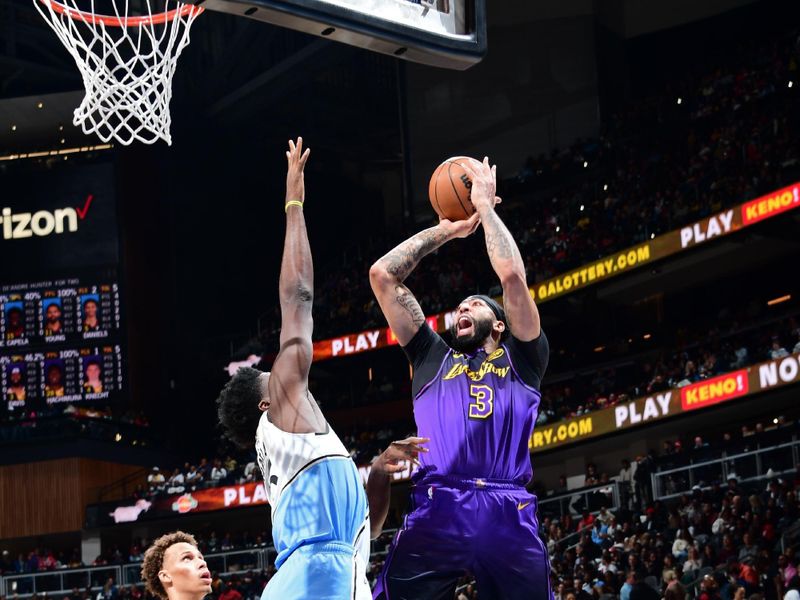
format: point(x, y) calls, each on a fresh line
point(449, 189)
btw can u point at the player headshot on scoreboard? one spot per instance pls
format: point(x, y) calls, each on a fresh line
point(53, 317)
point(15, 376)
point(15, 320)
point(54, 378)
point(92, 375)
point(90, 320)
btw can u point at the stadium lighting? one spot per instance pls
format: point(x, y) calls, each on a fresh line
point(680, 100)
point(652, 236)
point(647, 336)
point(40, 105)
point(582, 207)
point(605, 187)
point(775, 420)
point(779, 299)
point(791, 83)
point(585, 164)
point(118, 437)
point(558, 228)
point(60, 152)
point(13, 128)
point(370, 374)
point(599, 348)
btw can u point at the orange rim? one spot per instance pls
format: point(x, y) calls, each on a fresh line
point(157, 19)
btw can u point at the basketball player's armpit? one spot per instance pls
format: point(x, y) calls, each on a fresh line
point(298, 293)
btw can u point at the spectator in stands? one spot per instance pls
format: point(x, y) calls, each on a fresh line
point(136, 554)
point(793, 589)
point(204, 469)
point(641, 590)
point(709, 589)
point(777, 350)
point(176, 483)
point(194, 477)
point(250, 472)
point(675, 591)
point(785, 573)
point(749, 550)
point(681, 545)
point(109, 591)
point(626, 482)
point(694, 562)
point(218, 473)
point(156, 481)
point(228, 593)
point(230, 464)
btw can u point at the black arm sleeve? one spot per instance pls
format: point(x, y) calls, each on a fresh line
point(425, 352)
point(530, 358)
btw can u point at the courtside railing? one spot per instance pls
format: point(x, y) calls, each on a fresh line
point(746, 467)
point(574, 502)
point(63, 581)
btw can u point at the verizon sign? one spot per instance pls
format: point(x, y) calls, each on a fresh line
point(21, 225)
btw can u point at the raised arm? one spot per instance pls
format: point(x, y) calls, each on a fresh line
point(523, 316)
point(291, 406)
point(386, 276)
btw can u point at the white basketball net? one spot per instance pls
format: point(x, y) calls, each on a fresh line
point(127, 63)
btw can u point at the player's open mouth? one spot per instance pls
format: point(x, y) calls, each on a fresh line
point(205, 576)
point(464, 325)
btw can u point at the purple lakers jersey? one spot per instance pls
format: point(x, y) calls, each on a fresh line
point(478, 410)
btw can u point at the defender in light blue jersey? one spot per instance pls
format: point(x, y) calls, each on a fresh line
point(320, 517)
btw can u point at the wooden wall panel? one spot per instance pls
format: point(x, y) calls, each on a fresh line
point(51, 496)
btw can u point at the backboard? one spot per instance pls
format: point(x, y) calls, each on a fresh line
point(442, 33)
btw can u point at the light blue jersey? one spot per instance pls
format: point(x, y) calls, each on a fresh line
point(320, 516)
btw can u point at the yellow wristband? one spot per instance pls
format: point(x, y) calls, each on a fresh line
point(292, 203)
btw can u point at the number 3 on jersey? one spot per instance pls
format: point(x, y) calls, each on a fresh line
point(483, 405)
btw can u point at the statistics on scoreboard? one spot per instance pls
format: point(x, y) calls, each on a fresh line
point(37, 379)
point(59, 342)
point(54, 312)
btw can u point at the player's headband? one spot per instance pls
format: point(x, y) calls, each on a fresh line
point(498, 311)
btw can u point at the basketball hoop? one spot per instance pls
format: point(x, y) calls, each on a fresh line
point(127, 62)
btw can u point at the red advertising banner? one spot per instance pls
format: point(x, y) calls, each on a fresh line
point(716, 390)
point(216, 498)
point(770, 205)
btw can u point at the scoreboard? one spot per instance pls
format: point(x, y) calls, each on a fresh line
point(61, 326)
point(59, 342)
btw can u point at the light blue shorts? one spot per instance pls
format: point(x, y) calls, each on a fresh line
point(319, 571)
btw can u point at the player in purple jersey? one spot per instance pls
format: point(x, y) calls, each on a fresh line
point(477, 400)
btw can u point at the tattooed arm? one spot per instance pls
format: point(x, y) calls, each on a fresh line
point(523, 316)
point(386, 276)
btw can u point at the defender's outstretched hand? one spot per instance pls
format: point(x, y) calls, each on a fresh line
point(295, 184)
point(391, 460)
